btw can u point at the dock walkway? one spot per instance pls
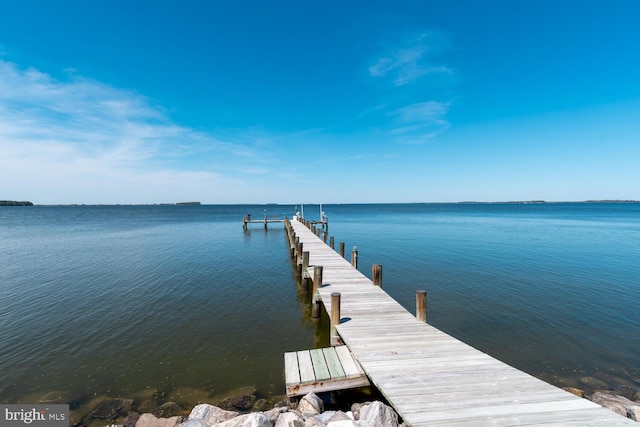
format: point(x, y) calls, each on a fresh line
point(429, 377)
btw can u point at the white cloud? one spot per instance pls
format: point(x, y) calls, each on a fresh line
point(81, 141)
point(420, 122)
point(412, 60)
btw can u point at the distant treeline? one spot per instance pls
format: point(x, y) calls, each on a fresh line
point(14, 203)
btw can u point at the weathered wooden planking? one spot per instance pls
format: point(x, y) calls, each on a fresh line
point(431, 378)
point(321, 370)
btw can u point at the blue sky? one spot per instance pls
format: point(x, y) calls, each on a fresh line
point(319, 102)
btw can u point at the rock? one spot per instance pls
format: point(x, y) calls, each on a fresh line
point(633, 412)
point(184, 396)
point(210, 414)
point(262, 405)
point(150, 420)
point(290, 419)
point(254, 419)
point(312, 422)
point(168, 409)
point(242, 402)
point(311, 404)
point(624, 391)
point(274, 413)
point(378, 415)
point(573, 390)
point(194, 423)
point(593, 382)
point(110, 408)
point(131, 419)
point(618, 404)
point(356, 407)
point(347, 423)
point(339, 416)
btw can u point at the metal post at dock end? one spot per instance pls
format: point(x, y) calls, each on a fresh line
point(335, 318)
point(376, 274)
point(421, 306)
point(354, 257)
point(331, 242)
point(305, 260)
point(342, 249)
point(317, 278)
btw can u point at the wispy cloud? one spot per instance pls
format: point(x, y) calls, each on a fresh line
point(420, 122)
point(412, 59)
point(88, 141)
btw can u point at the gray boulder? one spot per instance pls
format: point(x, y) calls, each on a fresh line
point(378, 415)
point(618, 404)
point(193, 423)
point(254, 419)
point(290, 419)
point(274, 413)
point(210, 414)
point(311, 404)
point(150, 420)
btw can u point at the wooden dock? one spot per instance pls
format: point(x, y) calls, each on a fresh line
point(429, 377)
point(321, 370)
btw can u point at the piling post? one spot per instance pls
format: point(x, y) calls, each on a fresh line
point(299, 252)
point(376, 273)
point(331, 242)
point(335, 318)
point(354, 257)
point(324, 237)
point(317, 278)
point(342, 249)
point(315, 299)
point(265, 222)
point(421, 306)
point(305, 260)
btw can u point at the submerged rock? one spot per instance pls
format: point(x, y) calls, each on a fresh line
point(167, 409)
point(111, 408)
point(242, 402)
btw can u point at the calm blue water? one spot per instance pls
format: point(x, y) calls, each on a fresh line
point(130, 301)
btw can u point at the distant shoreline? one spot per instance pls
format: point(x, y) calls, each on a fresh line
point(470, 202)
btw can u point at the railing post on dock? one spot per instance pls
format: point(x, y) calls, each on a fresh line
point(342, 249)
point(376, 273)
point(331, 242)
point(354, 257)
point(421, 306)
point(335, 318)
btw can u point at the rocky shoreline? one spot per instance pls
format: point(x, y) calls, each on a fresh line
point(245, 409)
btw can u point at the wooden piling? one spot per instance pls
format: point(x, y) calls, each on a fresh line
point(324, 237)
point(376, 274)
point(335, 318)
point(317, 278)
point(421, 306)
point(305, 260)
point(342, 249)
point(331, 242)
point(354, 257)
